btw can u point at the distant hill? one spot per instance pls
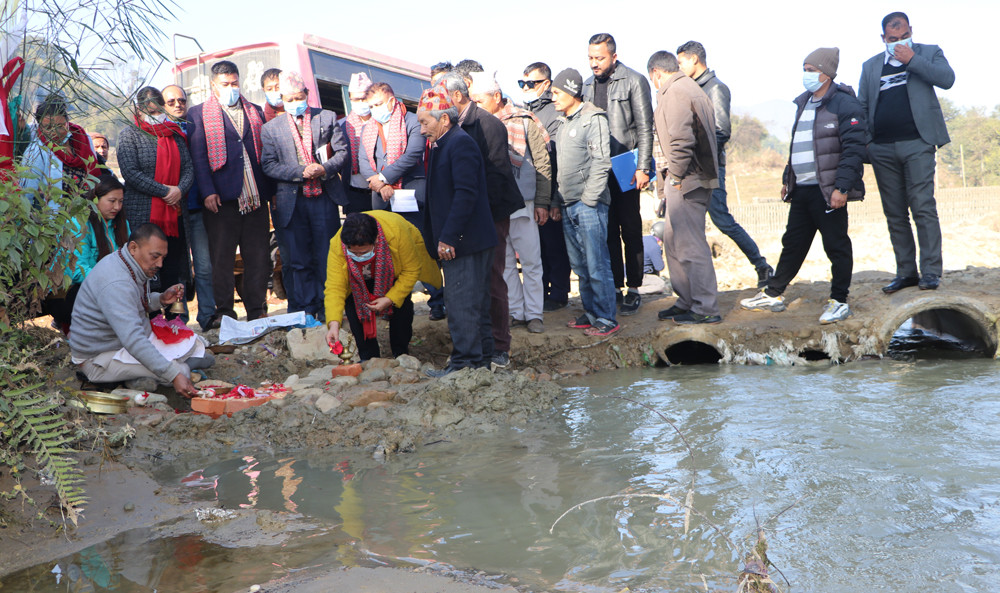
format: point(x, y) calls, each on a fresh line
point(776, 115)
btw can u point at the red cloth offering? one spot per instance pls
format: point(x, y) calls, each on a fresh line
point(170, 332)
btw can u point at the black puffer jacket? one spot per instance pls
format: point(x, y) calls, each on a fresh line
point(838, 143)
point(630, 112)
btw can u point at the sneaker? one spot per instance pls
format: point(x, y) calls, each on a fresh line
point(619, 297)
point(535, 326)
point(834, 311)
point(549, 306)
point(763, 302)
point(438, 373)
point(670, 313)
point(500, 360)
point(581, 322)
point(630, 304)
point(602, 329)
point(691, 318)
point(764, 274)
point(438, 313)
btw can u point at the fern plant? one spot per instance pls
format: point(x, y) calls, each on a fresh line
point(34, 422)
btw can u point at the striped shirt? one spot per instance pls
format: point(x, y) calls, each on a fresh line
point(803, 151)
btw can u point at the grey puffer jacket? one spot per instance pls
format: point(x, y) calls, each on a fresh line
point(584, 157)
point(630, 112)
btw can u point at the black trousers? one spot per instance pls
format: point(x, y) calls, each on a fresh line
point(228, 229)
point(625, 226)
point(358, 200)
point(400, 329)
point(555, 262)
point(807, 214)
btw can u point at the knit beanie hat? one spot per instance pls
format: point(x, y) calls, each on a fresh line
point(570, 82)
point(825, 59)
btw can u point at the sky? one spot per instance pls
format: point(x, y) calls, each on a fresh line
point(756, 48)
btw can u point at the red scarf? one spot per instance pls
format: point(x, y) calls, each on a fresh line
point(303, 145)
point(215, 130)
point(393, 135)
point(382, 272)
point(168, 171)
point(270, 112)
point(76, 153)
point(11, 72)
point(353, 124)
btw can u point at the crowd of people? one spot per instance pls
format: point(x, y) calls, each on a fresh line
point(503, 193)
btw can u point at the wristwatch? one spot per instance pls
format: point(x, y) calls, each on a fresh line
point(674, 182)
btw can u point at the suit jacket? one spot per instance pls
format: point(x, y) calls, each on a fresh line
point(458, 204)
point(490, 136)
point(927, 69)
point(408, 168)
point(280, 161)
point(227, 182)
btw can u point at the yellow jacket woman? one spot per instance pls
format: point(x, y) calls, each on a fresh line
point(374, 262)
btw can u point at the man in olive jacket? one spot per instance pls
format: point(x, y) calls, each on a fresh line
point(685, 128)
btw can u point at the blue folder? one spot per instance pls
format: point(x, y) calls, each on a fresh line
point(623, 168)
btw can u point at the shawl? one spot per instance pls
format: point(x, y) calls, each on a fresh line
point(393, 135)
point(384, 276)
point(517, 136)
point(76, 153)
point(303, 146)
point(215, 131)
point(168, 171)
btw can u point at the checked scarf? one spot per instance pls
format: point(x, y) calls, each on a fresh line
point(215, 131)
point(515, 119)
point(384, 276)
point(168, 171)
point(303, 146)
point(393, 135)
point(353, 124)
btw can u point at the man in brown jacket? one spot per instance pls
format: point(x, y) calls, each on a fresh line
point(685, 128)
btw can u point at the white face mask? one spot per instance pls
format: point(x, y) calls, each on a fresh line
point(528, 95)
point(229, 95)
point(360, 107)
point(159, 118)
point(273, 98)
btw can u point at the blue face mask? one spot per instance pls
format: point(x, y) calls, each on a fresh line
point(891, 47)
point(273, 98)
point(811, 81)
point(363, 257)
point(296, 108)
point(229, 95)
point(381, 113)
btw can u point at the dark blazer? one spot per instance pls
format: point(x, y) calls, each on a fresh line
point(227, 182)
point(409, 167)
point(490, 136)
point(458, 209)
point(927, 69)
point(280, 161)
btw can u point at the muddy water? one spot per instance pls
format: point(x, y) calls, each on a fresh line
point(892, 471)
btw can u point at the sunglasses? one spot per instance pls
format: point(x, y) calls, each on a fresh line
point(173, 102)
point(529, 84)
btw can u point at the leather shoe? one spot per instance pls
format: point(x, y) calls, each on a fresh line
point(929, 282)
point(898, 284)
point(438, 313)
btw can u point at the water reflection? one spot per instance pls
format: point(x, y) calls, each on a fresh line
point(892, 469)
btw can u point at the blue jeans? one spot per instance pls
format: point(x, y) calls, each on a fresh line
point(202, 261)
point(718, 211)
point(586, 230)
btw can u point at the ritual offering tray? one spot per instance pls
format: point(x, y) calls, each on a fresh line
point(226, 399)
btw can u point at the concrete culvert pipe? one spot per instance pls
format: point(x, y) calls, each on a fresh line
point(940, 324)
point(689, 352)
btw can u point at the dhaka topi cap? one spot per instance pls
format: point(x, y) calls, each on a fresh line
point(825, 59)
point(570, 82)
point(359, 83)
point(484, 83)
point(290, 82)
point(435, 98)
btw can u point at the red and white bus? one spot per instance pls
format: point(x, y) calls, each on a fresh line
point(326, 66)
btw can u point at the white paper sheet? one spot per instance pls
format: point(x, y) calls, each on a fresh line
point(404, 200)
point(241, 332)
